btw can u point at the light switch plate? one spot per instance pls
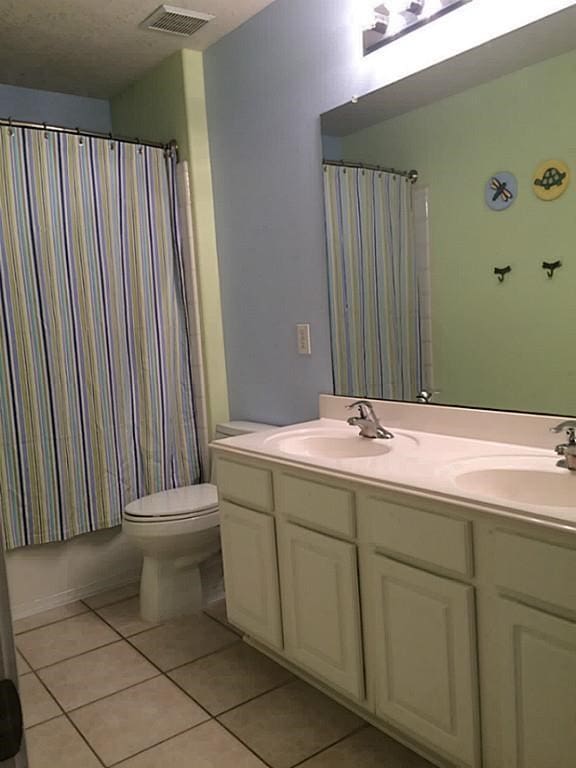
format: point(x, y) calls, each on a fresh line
point(303, 337)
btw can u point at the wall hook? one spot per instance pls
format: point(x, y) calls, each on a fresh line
point(551, 267)
point(502, 272)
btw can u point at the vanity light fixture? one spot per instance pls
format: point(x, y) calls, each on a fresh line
point(387, 21)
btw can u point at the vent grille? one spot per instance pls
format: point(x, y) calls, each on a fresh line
point(176, 21)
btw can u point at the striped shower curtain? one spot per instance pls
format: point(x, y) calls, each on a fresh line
point(374, 314)
point(95, 387)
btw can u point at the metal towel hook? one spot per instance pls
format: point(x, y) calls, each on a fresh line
point(551, 267)
point(502, 272)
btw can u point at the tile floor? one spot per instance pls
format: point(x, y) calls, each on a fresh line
point(100, 687)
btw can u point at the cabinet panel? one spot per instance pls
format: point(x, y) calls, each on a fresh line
point(321, 607)
point(251, 572)
point(422, 656)
point(245, 484)
point(538, 691)
point(536, 568)
point(425, 536)
point(321, 506)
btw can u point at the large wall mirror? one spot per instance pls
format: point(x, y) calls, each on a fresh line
point(415, 301)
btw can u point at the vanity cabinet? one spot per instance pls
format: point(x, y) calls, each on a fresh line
point(251, 572)
point(321, 607)
point(538, 688)
point(422, 659)
point(419, 613)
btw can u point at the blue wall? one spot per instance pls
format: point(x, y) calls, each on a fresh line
point(55, 108)
point(267, 84)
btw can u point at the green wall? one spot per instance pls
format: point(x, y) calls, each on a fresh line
point(510, 345)
point(169, 103)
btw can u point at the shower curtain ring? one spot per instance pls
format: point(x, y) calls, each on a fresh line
point(45, 130)
point(80, 137)
point(10, 129)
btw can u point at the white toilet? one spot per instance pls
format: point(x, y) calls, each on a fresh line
point(177, 530)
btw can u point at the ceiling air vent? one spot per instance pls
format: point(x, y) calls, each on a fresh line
point(176, 21)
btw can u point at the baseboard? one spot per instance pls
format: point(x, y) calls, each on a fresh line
point(23, 610)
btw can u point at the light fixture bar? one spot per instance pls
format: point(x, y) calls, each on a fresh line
point(394, 18)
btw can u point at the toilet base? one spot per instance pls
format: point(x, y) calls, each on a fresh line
point(169, 588)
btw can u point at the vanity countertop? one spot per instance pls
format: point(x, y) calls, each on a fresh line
point(427, 464)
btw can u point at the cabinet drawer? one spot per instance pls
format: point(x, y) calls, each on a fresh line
point(245, 484)
point(318, 505)
point(539, 569)
point(423, 536)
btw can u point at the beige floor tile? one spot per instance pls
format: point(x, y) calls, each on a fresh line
point(137, 718)
point(230, 677)
point(125, 617)
point(207, 746)
point(368, 748)
point(290, 724)
point(49, 617)
point(56, 642)
point(112, 596)
point(96, 674)
point(37, 704)
point(174, 644)
point(22, 665)
point(57, 745)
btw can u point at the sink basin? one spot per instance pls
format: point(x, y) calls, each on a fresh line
point(536, 480)
point(335, 444)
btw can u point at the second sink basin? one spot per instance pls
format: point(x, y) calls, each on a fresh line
point(533, 480)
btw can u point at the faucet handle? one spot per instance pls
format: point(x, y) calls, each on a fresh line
point(569, 427)
point(363, 406)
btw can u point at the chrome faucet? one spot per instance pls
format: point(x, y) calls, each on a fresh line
point(368, 421)
point(568, 449)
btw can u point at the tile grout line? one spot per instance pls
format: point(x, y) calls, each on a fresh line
point(252, 698)
point(247, 746)
point(69, 658)
point(153, 746)
point(48, 623)
point(84, 739)
point(108, 695)
point(329, 746)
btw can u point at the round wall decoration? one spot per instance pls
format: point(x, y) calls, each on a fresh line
point(501, 191)
point(551, 179)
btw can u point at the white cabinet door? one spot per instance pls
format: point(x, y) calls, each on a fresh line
point(321, 607)
point(251, 572)
point(538, 688)
point(421, 639)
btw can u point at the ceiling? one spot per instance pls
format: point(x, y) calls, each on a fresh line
point(536, 42)
point(95, 47)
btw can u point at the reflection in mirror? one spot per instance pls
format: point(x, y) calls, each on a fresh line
point(414, 296)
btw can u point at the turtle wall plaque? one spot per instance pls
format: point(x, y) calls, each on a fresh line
point(551, 179)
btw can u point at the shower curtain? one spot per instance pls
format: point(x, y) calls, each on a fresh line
point(374, 308)
point(96, 401)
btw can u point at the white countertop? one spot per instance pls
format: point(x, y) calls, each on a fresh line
point(423, 463)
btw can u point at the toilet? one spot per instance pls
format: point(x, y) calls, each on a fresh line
point(176, 531)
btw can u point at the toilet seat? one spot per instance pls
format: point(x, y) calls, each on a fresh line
point(191, 502)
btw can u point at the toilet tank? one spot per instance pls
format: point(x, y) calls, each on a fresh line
point(232, 429)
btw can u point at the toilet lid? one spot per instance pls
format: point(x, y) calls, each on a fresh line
point(189, 501)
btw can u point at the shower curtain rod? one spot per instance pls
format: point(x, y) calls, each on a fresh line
point(10, 123)
point(412, 175)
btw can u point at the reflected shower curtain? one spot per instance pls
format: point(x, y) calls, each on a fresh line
point(95, 388)
point(372, 284)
